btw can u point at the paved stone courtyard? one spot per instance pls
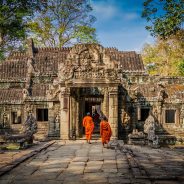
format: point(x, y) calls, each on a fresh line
point(73, 162)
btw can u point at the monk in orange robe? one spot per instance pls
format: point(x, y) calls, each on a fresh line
point(105, 131)
point(89, 127)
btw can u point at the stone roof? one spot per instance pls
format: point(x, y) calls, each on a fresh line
point(39, 90)
point(11, 96)
point(128, 60)
point(14, 69)
point(46, 61)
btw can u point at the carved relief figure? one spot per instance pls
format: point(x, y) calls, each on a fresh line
point(57, 123)
point(125, 118)
point(30, 126)
point(161, 95)
point(30, 66)
point(149, 129)
point(5, 120)
point(25, 93)
point(65, 72)
point(182, 116)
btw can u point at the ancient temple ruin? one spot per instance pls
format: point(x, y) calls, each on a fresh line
point(59, 85)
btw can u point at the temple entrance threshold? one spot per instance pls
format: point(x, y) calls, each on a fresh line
point(77, 101)
point(82, 101)
point(95, 110)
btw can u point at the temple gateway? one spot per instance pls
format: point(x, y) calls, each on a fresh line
point(60, 85)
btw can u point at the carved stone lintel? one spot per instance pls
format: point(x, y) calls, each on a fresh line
point(65, 91)
point(113, 90)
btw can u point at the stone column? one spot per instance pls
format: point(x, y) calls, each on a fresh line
point(177, 118)
point(113, 111)
point(72, 115)
point(81, 114)
point(51, 119)
point(77, 102)
point(105, 103)
point(161, 115)
point(64, 113)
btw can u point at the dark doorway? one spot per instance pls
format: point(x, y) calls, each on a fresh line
point(144, 114)
point(94, 108)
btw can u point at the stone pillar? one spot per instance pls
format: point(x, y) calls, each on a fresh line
point(72, 115)
point(81, 114)
point(64, 113)
point(177, 118)
point(113, 111)
point(161, 115)
point(77, 118)
point(51, 119)
point(105, 103)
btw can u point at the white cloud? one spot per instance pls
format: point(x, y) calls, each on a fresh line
point(108, 10)
point(104, 11)
point(148, 39)
point(130, 16)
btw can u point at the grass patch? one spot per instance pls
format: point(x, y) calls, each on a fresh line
point(10, 146)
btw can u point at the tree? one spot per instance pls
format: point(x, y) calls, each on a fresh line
point(166, 17)
point(63, 22)
point(165, 57)
point(13, 14)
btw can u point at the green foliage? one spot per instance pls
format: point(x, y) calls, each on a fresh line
point(181, 68)
point(165, 57)
point(85, 34)
point(13, 17)
point(165, 17)
point(63, 22)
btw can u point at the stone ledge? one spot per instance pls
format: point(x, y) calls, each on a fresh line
point(20, 159)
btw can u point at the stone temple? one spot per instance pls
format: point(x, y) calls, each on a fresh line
point(60, 85)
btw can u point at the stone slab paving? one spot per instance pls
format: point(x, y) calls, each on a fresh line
point(10, 159)
point(73, 162)
point(161, 166)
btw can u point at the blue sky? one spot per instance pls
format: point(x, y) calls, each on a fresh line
point(119, 24)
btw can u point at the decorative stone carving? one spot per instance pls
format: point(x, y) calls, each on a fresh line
point(113, 89)
point(161, 95)
point(28, 109)
point(135, 94)
point(86, 54)
point(149, 129)
point(25, 93)
point(111, 74)
point(136, 137)
point(85, 62)
point(65, 72)
point(30, 125)
point(52, 92)
point(125, 118)
point(182, 116)
point(26, 136)
point(30, 69)
point(6, 123)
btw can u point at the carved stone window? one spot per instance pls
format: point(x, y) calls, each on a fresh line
point(15, 118)
point(143, 114)
point(170, 116)
point(42, 114)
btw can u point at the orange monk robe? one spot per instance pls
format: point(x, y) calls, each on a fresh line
point(105, 131)
point(89, 126)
